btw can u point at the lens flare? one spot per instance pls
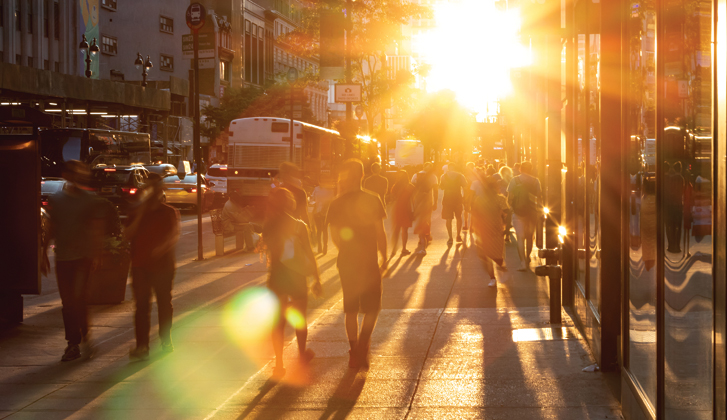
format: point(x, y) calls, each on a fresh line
point(346, 234)
point(295, 318)
point(250, 316)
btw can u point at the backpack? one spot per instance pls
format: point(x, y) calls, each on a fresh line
point(522, 204)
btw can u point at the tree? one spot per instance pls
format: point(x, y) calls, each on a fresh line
point(376, 29)
point(232, 105)
point(441, 122)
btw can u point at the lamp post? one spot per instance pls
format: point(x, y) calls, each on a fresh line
point(89, 51)
point(292, 78)
point(146, 65)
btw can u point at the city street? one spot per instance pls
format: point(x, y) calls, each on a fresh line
point(446, 346)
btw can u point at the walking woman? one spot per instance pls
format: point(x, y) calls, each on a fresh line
point(488, 209)
point(506, 176)
point(401, 193)
point(291, 261)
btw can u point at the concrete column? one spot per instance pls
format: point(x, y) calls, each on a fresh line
point(8, 32)
point(37, 38)
point(51, 35)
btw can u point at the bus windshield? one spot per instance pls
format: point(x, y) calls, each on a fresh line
point(93, 147)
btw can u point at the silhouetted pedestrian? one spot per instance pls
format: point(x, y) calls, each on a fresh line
point(153, 232)
point(401, 193)
point(357, 228)
point(76, 226)
point(426, 195)
point(487, 224)
point(454, 184)
point(377, 183)
point(523, 196)
point(291, 262)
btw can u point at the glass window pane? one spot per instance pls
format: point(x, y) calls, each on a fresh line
point(581, 115)
point(640, 122)
point(686, 152)
point(593, 177)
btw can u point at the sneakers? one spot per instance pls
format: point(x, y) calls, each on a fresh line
point(139, 354)
point(422, 252)
point(450, 241)
point(459, 238)
point(167, 346)
point(72, 352)
point(492, 283)
point(405, 252)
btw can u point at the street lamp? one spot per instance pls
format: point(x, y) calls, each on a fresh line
point(139, 63)
point(292, 78)
point(89, 52)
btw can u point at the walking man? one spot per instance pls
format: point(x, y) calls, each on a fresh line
point(377, 183)
point(290, 177)
point(426, 195)
point(153, 233)
point(454, 184)
point(524, 196)
point(357, 228)
point(76, 218)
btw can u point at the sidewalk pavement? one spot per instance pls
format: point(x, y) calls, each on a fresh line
point(446, 347)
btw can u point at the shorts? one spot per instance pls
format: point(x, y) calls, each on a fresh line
point(361, 295)
point(450, 210)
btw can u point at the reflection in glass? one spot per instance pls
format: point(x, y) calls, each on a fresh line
point(581, 116)
point(593, 178)
point(686, 209)
point(641, 165)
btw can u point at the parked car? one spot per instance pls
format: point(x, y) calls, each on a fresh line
point(119, 184)
point(217, 178)
point(181, 191)
point(163, 169)
point(48, 187)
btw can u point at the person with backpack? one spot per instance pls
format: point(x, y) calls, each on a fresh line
point(290, 261)
point(454, 184)
point(426, 195)
point(524, 197)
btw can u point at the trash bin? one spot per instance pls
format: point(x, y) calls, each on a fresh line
point(107, 283)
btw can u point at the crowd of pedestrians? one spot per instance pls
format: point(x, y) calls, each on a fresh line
point(481, 200)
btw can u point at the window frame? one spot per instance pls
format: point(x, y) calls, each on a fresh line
point(162, 58)
point(109, 4)
point(103, 45)
point(162, 25)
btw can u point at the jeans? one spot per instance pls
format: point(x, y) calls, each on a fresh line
point(159, 277)
point(525, 232)
point(72, 279)
point(321, 231)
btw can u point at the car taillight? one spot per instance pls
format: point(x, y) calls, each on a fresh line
point(131, 191)
point(45, 203)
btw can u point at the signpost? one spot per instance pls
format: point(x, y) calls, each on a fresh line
point(196, 15)
point(206, 45)
point(348, 92)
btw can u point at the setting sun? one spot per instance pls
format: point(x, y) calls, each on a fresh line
point(471, 50)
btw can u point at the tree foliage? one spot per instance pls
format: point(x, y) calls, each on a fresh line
point(441, 122)
point(376, 31)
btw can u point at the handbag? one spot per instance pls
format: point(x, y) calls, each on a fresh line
point(294, 254)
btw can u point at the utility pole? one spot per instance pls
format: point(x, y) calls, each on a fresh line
point(349, 27)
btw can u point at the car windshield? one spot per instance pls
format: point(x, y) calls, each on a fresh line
point(111, 177)
point(51, 187)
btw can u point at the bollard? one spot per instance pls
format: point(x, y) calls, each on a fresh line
point(554, 274)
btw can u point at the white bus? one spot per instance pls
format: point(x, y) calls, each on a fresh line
point(257, 147)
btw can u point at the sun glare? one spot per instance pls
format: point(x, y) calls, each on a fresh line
point(471, 51)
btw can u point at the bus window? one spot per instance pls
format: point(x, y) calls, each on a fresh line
point(280, 127)
point(72, 148)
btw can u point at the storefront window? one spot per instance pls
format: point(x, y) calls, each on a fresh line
point(581, 118)
point(593, 172)
point(640, 121)
point(686, 203)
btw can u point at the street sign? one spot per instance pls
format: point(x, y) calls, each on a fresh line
point(196, 15)
point(206, 46)
point(359, 112)
point(206, 63)
point(348, 92)
point(297, 114)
